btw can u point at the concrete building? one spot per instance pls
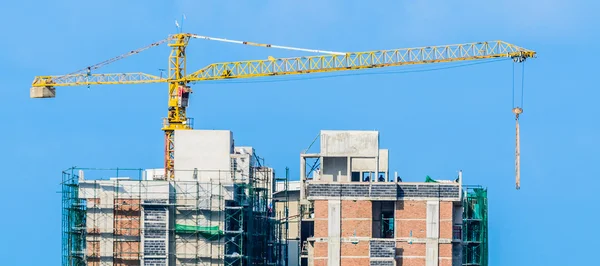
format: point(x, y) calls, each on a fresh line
point(217, 210)
point(352, 212)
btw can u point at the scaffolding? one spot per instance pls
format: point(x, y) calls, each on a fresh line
point(281, 241)
point(475, 227)
point(130, 219)
point(73, 222)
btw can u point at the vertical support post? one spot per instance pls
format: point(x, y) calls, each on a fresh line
point(302, 178)
point(176, 118)
point(349, 171)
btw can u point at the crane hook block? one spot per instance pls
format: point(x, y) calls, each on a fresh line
point(517, 111)
point(42, 92)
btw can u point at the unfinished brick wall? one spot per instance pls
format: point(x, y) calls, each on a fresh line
point(445, 262)
point(127, 217)
point(321, 214)
point(411, 217)
point(406, 227)
point(320, 262)
point(93, 249)
point(410, 250)
point(362, 228)
point(410, 262)
point(320, 209)
point(320, 250)
point(410, 223)
point(446, 225)
point(321, 228)
point(411, 209)
point(357, 209)
point(127, 250)
point(355, 261)
point(445, 250)
point(446, 210)
point(446, 229)
point(359, 249)
point(357, 218)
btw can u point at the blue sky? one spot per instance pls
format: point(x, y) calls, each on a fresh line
point(434, 123)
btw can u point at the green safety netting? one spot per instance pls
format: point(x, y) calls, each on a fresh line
point(207, 231)
point(475, 227)
point(430, 180)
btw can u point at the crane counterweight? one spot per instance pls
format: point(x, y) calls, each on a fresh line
point(42, 92)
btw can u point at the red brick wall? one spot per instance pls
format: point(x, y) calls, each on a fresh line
point(357, 209)
point(446, 210)
point(418, 227)
point(406, 249)
point(355, 261)
point(320, 262)
point(411, 210)
point(360, 249)
point(445, 262)
point(126, 225)
point(320, 249)
point(445, 250)
point(362, 228)
point(321, 228)
point(410, 262)
point(321, 207)
point(93, 248)
point(446, 229)
point(127, 250)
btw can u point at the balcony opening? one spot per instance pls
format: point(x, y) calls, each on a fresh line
point(383, 219)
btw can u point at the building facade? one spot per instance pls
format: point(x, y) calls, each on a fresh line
point(353, 212)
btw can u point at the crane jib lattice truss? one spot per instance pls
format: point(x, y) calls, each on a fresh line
point(179, 91)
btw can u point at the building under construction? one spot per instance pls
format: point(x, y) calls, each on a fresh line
point(353, 212)
point(228, 208)
point(218, 212)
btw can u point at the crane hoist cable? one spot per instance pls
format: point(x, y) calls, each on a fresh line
point(196, 36)
point(518, 110)
point(117, 58)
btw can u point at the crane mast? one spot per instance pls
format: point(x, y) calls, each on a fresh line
point(179, 93)
point(178, 79)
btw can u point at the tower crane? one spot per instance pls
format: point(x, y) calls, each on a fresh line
point(178, 78)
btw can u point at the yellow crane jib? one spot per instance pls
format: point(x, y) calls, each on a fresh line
point(329, 61)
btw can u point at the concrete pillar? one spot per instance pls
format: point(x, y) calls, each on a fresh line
point(433, 233)
point(349, 172)
point(302, 177)
point(334, 235)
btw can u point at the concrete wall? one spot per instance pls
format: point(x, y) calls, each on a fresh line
point(206, 150)
point(335, 169)
point(369, 164)
point(349, 143)
point(292, 186)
